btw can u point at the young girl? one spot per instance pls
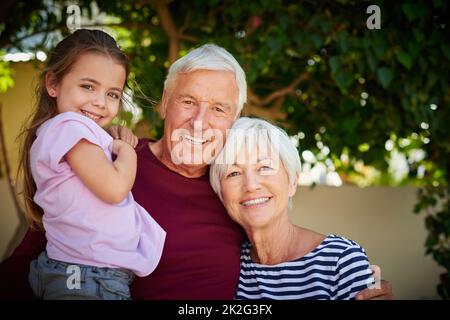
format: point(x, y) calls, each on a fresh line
point(98, 237)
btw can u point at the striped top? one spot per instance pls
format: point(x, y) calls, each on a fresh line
point(337, 269)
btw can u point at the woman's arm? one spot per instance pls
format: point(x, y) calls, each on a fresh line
point(109, 181)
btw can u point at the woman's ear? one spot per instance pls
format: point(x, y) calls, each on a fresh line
point(293, 187)
point(50, 85)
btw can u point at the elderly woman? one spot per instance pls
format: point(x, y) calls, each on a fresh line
point(255, 175)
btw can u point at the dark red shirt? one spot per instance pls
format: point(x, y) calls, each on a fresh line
point(202, 249)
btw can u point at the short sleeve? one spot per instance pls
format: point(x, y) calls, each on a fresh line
point(65, 132)
point(354, 273)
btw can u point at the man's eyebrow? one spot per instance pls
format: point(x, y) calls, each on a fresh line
point(180, 96)
point(97, 83)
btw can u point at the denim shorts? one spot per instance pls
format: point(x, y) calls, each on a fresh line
point(56, 280)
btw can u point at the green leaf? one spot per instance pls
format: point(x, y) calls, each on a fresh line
point(317, 40)
point(431, 240)
point(274, 45)
point(418, 35)
point(343, 80)
point(405, 59)
point(445, 48)
point(408, 10)
point(335, 64)
point(371, 61)
point(343, 42)
point(385, 76)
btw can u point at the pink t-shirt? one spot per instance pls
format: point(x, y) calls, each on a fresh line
point(80, 228)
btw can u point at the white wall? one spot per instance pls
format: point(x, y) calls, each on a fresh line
point(381, 220)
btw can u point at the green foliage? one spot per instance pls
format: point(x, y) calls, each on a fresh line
point(6, 80)
point(362, 86)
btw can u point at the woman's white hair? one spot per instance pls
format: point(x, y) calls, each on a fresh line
point(210, 57)
point(245, 135)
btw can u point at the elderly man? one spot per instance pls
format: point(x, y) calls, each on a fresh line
point(203, 94)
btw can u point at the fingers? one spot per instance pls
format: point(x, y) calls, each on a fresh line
point(114, 132)
point(124, 134)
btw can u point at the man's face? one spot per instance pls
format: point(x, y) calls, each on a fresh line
point(198, 108)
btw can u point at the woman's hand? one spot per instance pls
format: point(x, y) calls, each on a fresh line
point(124, 134)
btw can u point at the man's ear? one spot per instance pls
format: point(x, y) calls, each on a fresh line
point(293, 187)
point(50, 85)
point(163, 108)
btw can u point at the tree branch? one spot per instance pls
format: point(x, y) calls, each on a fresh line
point(257, 105)
point(169, 27)
point(290, 89)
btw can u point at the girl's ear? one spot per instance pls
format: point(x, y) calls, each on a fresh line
point(50, 85)
point(163, 109)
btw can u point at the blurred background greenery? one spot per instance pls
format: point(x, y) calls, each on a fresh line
point(366, 107)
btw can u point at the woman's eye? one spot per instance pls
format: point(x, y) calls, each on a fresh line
point(265, 168)
point(232, 174)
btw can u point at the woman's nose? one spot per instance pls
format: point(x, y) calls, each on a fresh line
point(252, 182)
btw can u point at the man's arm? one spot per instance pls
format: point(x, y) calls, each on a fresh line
point(14, 270)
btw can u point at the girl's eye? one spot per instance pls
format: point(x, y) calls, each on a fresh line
point(87, 87)
point(114, 95)
point(232, 174)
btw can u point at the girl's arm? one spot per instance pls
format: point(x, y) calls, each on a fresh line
point(109, 181)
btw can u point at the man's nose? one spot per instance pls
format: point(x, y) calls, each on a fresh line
point(201, 114)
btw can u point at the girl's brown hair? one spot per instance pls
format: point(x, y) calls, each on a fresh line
point(59, 64)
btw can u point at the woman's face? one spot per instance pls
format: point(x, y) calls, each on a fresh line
point(256, 193)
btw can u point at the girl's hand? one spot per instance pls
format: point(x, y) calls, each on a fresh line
point(120, 146)
point(124, 134)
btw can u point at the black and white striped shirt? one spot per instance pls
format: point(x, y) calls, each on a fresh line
point(336, 269)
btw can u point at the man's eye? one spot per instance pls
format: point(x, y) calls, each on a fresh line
point(233, 174)
point(188, 102)
point(219, 109)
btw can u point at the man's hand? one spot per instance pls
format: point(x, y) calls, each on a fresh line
point(384, 293)
point(124, 134)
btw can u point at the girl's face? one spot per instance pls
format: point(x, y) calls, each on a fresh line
point(93, 87)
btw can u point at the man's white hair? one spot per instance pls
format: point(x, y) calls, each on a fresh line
point(210, 57)
point(238, 143)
